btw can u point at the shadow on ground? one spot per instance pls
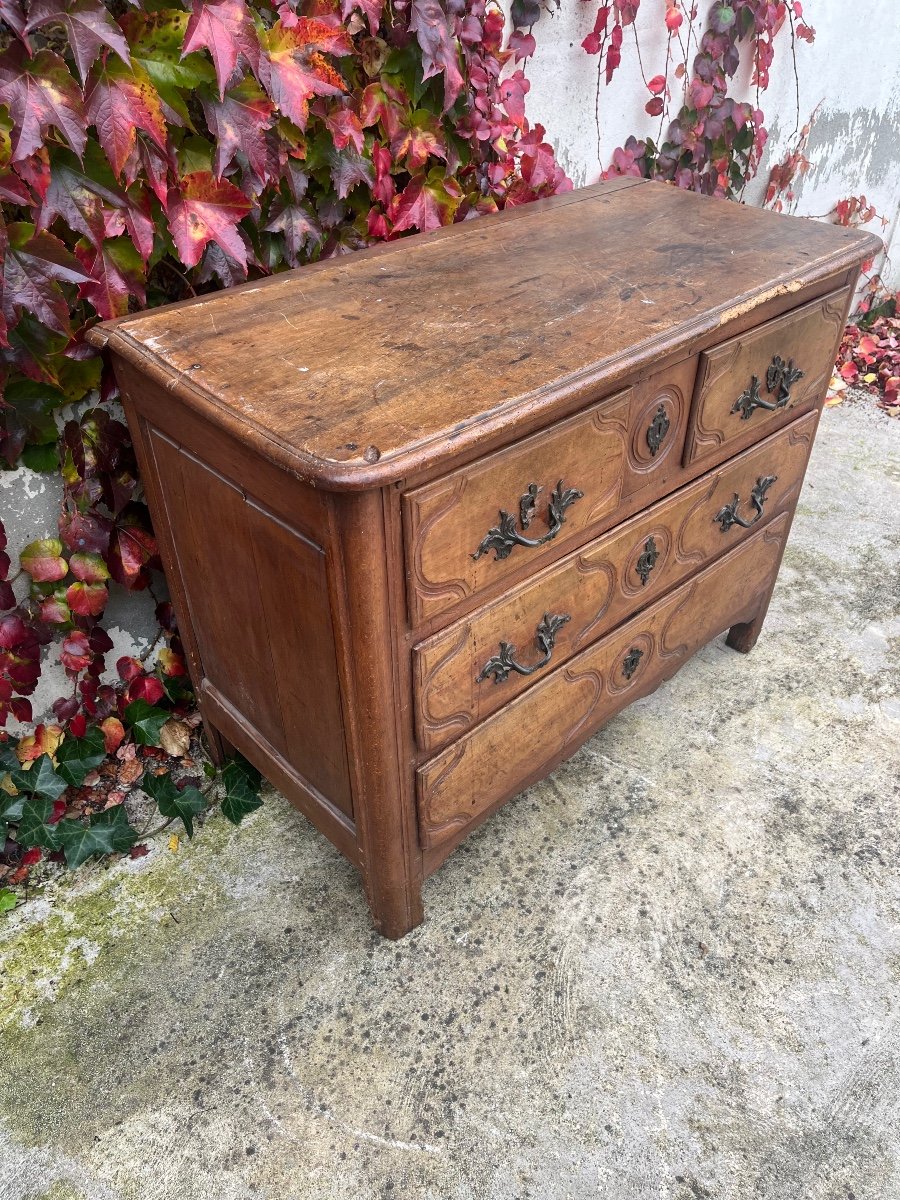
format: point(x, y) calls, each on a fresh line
point(671, 970)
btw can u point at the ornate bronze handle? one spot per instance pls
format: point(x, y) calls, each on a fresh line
point(780, 378)
point(501, 664)
point(657, 430)
point(729, 515)
point(505, 535)
point(631, 660)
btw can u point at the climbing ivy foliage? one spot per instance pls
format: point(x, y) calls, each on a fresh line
point(707, 140)
point(151, 151)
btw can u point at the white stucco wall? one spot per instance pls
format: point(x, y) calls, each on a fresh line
point(852, 71)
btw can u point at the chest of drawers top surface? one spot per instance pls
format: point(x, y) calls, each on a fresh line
point(365, 369)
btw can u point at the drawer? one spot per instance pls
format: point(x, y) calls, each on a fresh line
point(548, 722)
point(466, 672)
point(478, 525)
point(748, 386)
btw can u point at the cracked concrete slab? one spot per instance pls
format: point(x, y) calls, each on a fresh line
point(670, 970)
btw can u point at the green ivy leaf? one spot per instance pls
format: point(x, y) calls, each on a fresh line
point(242, 783)
point(40, 780)
point(41, 458)
point(108, 832)
point(146, 721)
point(7, 900)
point(173, 802)
point(34, 828)
point(10, 811)
point(76, 756)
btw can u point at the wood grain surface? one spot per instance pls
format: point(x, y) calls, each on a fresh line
point(363, 369)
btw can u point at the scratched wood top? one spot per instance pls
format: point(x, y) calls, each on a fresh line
point(359, 370)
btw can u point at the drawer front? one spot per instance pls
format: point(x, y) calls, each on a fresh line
point(473, 527)
point(480, 663)
point(546, 724)
point(748, 386)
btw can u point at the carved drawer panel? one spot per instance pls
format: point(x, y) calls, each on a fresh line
point(753, 383)
point(539, 728)
point(473, 527)
point(480, 663)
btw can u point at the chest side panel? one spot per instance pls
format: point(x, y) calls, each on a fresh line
point(257, 590)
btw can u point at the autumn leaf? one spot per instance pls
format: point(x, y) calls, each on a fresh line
point(175, 738)
point(82, 201)
point(89, 568)
point(35, 264)
point(89, 27)
point(427, 202)
point(431, 25)
point(76, 652)
point(116, 273)
point(43, 560)
point(40, 95)
point(294, 69)
point(113, 734)
point(87, 599)
point(238, 122)
point(417, 136)
point(370, 8)
point(298, 225)
point(348, 169)
point(119, 101)
point(226, 30)
point(204, 209)
point(156, 40)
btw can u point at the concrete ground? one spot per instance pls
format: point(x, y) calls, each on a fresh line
point(671, 970)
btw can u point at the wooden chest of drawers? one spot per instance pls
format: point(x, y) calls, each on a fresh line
point(434, 512)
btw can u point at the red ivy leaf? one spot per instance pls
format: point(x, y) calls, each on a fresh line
point(344, 127)
point(88, 568)
point(295, 70)
point(118, 102)
point(76, 652)
point(12, 13)
point(87, 599)
point(205, 209)
point(297, 224)
point(84, 204)
point(349, 169)
point(35, 264)
point(117, 274)
point(226, 30)
point(132, 548)
point(239, 122)
point(431, 25)
point(418, 135)
point(426, 202)
point(40, 94)
point(43, 560)
point(89, 26)
point(371, 8)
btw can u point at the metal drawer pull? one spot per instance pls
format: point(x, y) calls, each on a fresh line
point(657, 430)
point(505, 535)
point(729, 515)
point(647, 561)
point(630, 661)
point(501, 664)
point(780, 378)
